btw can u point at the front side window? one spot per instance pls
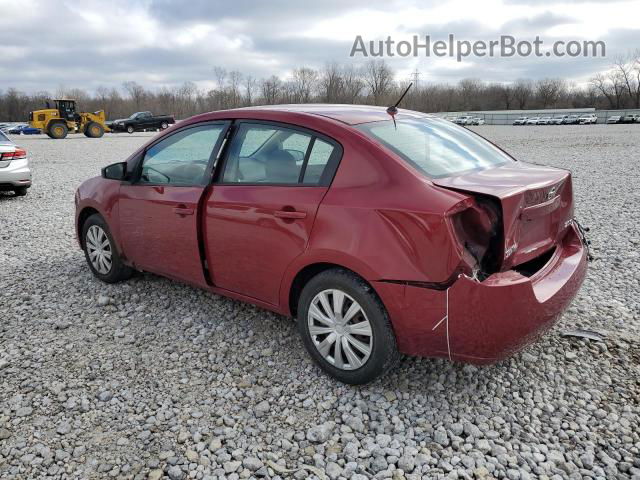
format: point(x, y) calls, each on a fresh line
point(266, 154)
point(435, 147)
point(182, 158)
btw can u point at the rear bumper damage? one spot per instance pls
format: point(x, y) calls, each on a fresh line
point(483, 322)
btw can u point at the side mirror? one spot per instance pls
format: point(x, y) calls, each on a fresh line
point(115, 171)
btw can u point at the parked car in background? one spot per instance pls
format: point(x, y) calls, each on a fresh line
point(614, 119)
point(588, 119)
point(141, 121)
point(15, 174)
point(571, 120)
point(464, 120)
point(23, 130)
point(630, 118)
point(455, 251)
point(520, 121)
point(532, 121)
point(4, 127)
point(544, 121)
point(477, 121)
point(558, 120)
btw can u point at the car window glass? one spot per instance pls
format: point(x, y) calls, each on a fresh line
point(318, 160)
point(182, 158)
point(266, 154)
point(436, 147)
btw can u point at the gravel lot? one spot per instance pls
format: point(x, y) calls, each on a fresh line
point(151, 378)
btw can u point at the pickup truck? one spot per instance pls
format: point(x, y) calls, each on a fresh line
point(141, 121)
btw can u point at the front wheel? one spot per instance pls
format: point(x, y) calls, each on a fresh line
point(94, 130)
point(130, 129)
point(101, 253)
point(164, 125)
point(345, 327)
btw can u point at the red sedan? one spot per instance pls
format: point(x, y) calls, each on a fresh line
point(380, 235)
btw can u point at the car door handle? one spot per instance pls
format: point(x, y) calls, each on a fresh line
point(183, 210)
point(290, 214)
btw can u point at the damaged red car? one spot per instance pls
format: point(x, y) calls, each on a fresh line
point(380, 234)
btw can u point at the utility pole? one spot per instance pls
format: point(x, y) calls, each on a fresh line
point(415, 78)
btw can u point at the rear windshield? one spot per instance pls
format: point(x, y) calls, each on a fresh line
point(3, 138)
point(435, 147)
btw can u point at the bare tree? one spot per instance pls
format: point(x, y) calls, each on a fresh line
point(548, 90)
point(522, 91)
point(611, 86)
point(379, 78)
point(220, 75)
point(249, 87)
point(304, 84)
point(469, 89)
point(271, 90)
point(628, 71)
point(135, 91)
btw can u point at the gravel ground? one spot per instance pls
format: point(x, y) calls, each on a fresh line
point(152, 378)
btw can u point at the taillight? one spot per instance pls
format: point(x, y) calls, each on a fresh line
point(18, 154)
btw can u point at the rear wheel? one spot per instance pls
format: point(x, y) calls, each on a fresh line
point(164, 125)
point(345, 327)
point(20, 191)
point(101, 253)
point(94, 130)
point(58, 130)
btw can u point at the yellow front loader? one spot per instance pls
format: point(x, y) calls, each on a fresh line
point(57, 122)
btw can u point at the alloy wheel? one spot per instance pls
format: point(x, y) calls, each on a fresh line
point(99, 249)
point(340, 330)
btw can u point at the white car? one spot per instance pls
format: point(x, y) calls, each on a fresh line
point(520, 121)
point(15, 173)
point(544, 121)
point(558, 120)
point(614, 119)
point(477, 121)
point(464, 120)
point(533, 121)
point(588, 119)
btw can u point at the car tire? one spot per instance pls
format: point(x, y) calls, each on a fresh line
point(20, 191)
point(371, 319)
point(130, 129)
point(164, 126)
point(110, 269)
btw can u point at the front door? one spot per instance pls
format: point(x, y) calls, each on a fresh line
point(260, 211)
point(159, 209)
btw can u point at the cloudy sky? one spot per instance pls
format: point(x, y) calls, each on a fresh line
point(85, 44)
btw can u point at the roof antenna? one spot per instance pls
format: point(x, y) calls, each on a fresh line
point(393, 110)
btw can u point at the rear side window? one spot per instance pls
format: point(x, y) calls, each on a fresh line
point(318, 159)
point(435, 147)
point(3, 138)
point(277, 155)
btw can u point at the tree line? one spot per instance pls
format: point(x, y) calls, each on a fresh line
point(373, 83)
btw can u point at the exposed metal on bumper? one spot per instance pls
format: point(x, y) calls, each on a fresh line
point(483, 322)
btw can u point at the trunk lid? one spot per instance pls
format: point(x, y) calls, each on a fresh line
point(536, 203)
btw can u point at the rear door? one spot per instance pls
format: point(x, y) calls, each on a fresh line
point(159, 208)
point(261, 209)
